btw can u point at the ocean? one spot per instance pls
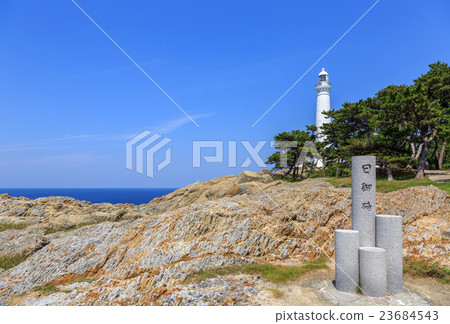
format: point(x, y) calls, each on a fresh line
point(135, 196)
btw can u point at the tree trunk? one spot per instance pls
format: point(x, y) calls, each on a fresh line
point(289, 172)
point(311, 169)
point(436, 154)
point(442, 154)
point(423, 156)
point(413, 156)
point(413, 150)
point(419, 151)
point(389, 172)
point(337, 172)
point(420, 174)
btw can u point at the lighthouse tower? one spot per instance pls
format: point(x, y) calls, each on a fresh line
point(323, 89)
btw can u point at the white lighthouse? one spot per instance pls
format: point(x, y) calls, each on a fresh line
point(323, 89)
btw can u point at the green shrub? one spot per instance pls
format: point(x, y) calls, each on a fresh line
point(47, 289)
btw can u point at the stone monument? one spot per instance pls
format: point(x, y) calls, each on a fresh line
point(346, 244)
point(372, 271)
point(364, 198)
point(371, 253)
point(389, 236)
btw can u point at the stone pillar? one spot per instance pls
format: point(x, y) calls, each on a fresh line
point(372, 271)
point(389, 236)
point(346, 244)
point(364, 198)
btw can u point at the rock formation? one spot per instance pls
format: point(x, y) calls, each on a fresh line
point(103, 254)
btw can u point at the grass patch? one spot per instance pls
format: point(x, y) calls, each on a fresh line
point(51, 231)
point(47, 289)
point(85, 279)
point(271, 272)
point(9, 261)
point(276, 292)
point(425, 269)
point(443, 185)
point(402, 180)
point(50, 289)
point(12, 226)
point(55, 230)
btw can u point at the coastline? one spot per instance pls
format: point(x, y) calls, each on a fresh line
point(104, 254)
point(135, 196)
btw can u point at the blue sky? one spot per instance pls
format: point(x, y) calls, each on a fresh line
point(70, 99)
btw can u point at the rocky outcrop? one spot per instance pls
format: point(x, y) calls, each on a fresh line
point(59, 212)
point(231, 220)
point(227, 186)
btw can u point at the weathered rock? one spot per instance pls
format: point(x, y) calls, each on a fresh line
point(263, 176)
point(141, 254)
point(227, 186)
point(18, 241)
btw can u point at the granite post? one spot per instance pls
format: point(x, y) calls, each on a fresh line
point(346, 244)
point(389, 236)
point(372, 271)
point(364, 198)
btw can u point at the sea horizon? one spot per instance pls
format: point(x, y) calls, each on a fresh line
point(136, 196)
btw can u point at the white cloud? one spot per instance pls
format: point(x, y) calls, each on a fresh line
point(171, 125)
point(66, 141)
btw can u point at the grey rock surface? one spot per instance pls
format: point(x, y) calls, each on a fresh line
point(389, 236)
point(346, 259)
point(135, 257)
point(327, 291)
point(372, 271)
point(364, 198)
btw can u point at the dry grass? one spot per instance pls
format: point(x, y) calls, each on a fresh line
point(75, 227)
point(276, 292)
point(85, 279)
point(12, 226)
point(8, 261)
point(425, 269)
